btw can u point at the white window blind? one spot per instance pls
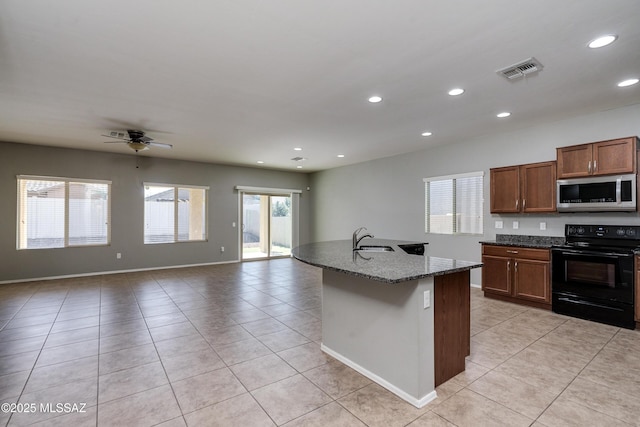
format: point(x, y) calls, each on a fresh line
point(453, 204)
point(62, 212)
point(174, 213)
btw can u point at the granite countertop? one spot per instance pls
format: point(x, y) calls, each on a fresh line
point(539, 242)
point(389, 267)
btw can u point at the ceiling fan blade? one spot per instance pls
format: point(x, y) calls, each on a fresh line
point(145, 139)
point(160, 145)
point(114, 137)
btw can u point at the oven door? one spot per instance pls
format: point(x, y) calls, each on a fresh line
point(601, 275)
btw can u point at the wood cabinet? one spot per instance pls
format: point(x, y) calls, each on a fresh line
point(617, 156)
point(517, 274)
point(526, 188)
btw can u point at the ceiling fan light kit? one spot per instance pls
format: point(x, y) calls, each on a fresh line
point(135, 139)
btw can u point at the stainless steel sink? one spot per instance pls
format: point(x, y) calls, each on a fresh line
point(413, 248)
point(374, 248)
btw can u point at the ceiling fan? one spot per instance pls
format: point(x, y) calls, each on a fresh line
point(135, 139)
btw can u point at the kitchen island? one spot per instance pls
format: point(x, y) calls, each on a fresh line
point(401, 320)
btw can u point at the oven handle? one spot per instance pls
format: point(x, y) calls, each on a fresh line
point(591, 304)
point(585, 253)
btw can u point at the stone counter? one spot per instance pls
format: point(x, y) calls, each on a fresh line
point(389, 267)
point(535, 242)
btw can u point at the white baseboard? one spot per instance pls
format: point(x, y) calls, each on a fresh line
point(103, 273)
point(418, 403)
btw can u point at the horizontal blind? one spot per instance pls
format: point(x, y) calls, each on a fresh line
point(453, 204)
point(159, 214)
point(469, 205)
point(61, 212)
point(88, 213)
point(174, 213)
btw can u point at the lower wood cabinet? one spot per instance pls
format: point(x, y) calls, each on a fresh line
point(517, 274)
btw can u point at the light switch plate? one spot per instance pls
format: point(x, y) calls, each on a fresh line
point(543, 225)
point(499, 224)
point(427, 299)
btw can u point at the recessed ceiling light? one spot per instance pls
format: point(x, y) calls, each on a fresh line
point(629, 82)
point(503, 114)
point(426, 134)
point(259, 162)
point(341, 155)
point(298, 149)
point(298, 167)
point(375, 99)
point(602, 41)
point(457, 91)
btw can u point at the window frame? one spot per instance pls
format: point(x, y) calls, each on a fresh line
point(66, 181)
point(176, 189)
point(456, 225)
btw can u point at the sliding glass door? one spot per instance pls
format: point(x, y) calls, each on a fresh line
point(266, 226)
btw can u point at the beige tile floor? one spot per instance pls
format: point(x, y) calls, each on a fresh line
point(238, 345)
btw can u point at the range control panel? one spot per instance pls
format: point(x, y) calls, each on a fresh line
point(626, 232)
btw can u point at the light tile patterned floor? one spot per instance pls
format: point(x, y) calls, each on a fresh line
point(238, 345)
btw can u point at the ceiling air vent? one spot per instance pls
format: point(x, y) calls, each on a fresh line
point(521, 69)
point(298, 159)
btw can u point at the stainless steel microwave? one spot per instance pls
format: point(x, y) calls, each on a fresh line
point(597, 194)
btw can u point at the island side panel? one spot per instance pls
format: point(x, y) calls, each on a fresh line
point(381, 329)
point(452, 324)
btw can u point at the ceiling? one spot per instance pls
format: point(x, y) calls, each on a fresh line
point(241, 81)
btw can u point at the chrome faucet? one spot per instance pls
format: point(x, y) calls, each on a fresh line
point(356, 240)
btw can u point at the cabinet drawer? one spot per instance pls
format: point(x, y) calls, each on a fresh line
point(517, 252)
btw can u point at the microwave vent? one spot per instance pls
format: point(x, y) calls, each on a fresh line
point(521, 69)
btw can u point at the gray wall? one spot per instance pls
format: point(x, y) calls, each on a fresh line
point(127, 210)
point(387, 195)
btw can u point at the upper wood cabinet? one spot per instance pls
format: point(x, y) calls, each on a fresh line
point(525, 188)
point(617, 156)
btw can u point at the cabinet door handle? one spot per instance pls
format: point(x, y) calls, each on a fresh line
point(509, 266)
point(524, 203)
point(589, 167)
point(517, 203)
point(516, 266)
point(595, 167)
point(512, 252)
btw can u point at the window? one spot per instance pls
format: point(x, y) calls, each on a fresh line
point(174, 213)
point(62, 212)
point(454, 204)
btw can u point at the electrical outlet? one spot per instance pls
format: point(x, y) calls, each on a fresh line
point(233, 224)
point(543, 225)
point(499, 224)
point(118, 255)
point(221, 248)
point(516, 225)
point(427, 299)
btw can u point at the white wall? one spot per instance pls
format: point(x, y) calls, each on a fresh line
point(387, 195)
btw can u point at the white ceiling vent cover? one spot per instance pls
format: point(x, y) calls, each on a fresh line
point(521, 69)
